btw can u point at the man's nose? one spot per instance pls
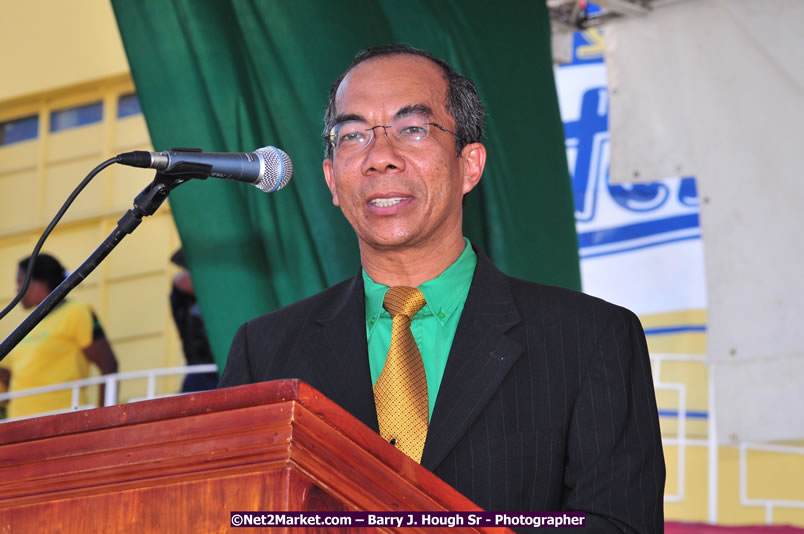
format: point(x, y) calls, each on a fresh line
point(382, 153)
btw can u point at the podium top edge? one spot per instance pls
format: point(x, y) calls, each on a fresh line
point(179, 406)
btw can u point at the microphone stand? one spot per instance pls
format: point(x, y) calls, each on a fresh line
point(145, 204)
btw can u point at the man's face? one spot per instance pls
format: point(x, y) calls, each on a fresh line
point(37, 291)
point(399, 196)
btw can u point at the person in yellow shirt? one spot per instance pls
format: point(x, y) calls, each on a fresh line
point(58, 349)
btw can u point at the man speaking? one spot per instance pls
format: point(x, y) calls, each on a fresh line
point(523, 397)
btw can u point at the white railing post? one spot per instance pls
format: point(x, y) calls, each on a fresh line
point(110, 395)
point(151, 393)
point(712, 450)
point(75, 397)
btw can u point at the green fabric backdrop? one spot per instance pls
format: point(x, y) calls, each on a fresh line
point(236, 75)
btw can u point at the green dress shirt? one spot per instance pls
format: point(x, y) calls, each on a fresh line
point(433, 327)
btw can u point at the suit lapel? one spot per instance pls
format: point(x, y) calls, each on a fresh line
point(480, 357)
point(339, 353)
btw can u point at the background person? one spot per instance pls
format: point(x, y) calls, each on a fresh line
point(59, 349)
point(190, 325)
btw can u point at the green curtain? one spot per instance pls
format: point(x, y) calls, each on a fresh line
point(232, 76)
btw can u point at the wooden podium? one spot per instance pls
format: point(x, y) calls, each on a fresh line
point(182, 464)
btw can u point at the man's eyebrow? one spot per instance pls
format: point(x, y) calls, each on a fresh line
point(415, 109)
point(412, 109)
point(348, 117)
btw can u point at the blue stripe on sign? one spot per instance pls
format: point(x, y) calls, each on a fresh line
point(659, 330)
point(637, 247)
point(690, 414)
point(637, 230)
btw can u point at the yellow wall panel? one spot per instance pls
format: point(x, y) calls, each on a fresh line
point(687, 343)
point(145, 353)
point(730, 512)
point(172, 355)
point(49, 44)
point(19, 156)
point(141, 353)
point(666, 399)
point(770, 478)
point(788, 516)
point(24, 107)
point(19, 199)
point(61, 179)
point(694, 375)
point(83, 141)
point(694, 316)
point(671, 464)
point(12, 249)
point(138, 306)
point(695, 428)
point(131, 133)
point(148, 249)
point(694, 505)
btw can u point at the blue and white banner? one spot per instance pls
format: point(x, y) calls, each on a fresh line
point(640, 244)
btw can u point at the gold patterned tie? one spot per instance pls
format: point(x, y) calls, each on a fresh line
point(401, 391)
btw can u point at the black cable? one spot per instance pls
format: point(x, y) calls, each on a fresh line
point(46, 233)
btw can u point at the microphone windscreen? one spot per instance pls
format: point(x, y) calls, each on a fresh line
point(277, 169)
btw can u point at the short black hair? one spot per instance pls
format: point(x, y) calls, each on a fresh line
point(463, 102)
point(178, 259)
point(46, 269)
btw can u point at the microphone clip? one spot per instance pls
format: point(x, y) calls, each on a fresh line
point(184, 169)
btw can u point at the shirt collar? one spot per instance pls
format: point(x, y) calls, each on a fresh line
point(443, 293)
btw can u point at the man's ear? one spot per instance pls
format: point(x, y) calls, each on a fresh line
point(473, 156)
point(329, 176)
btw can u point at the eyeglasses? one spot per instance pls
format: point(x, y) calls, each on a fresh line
point(353, 136)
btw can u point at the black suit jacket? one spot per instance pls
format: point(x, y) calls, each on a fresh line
point(546, 403)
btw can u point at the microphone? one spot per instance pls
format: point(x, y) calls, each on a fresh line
point(267, 168)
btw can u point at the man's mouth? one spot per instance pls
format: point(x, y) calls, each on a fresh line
point(386, 202)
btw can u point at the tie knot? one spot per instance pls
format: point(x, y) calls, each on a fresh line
point(403, 300)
